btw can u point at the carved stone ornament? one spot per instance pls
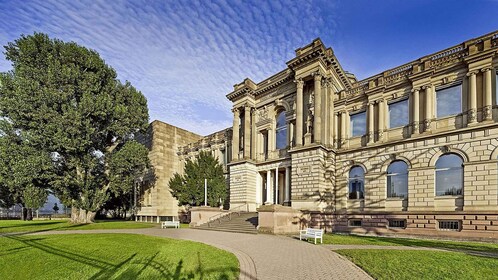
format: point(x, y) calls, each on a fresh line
point(309, 122)
point(487, 113)
point(427, 124)
point(299, 82)
point(312, 98)
point(472, 115)
point(263, 113)
point(444, 149)
point(415, 126)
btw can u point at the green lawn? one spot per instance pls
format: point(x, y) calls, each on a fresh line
point(388, 241)
point(112, 256)
point(8, 226)
point(404, 264)
point(410, 264)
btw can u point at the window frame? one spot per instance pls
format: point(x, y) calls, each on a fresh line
point(442, 169)
point(284, 127)
point(361, 179)
point(351, 130)
point(398, 101)
point(443, 88)
point(388, 176)
point(449, 222)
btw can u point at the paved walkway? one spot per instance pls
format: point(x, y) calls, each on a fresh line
point(262, 256)
point(378, 247)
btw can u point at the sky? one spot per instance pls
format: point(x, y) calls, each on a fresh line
point(185, 56)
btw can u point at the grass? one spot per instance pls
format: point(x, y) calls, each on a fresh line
point(404, 264)
point(112, 256)
point(9, 226)
point(389, 241)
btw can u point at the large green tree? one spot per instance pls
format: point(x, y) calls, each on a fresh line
point(65, 101)
point(189, 187)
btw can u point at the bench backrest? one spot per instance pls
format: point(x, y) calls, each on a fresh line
point(314, 231)
point(170, 222)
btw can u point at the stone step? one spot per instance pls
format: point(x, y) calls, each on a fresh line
point(245, 223)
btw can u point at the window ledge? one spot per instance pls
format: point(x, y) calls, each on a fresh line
point(448, 197)
point(356, 199)
point(396, 198)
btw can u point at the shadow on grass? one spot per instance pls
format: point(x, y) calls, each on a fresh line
point(130, 268)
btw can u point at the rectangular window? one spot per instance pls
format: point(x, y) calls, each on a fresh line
point(358, 124)
point(449, 101)
point(449, 225)
point(355, 223)
point(397, 223)
point(398, 113)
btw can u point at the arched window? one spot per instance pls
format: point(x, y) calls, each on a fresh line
point(397, 179)
point(281, 131)
point(356, 182)
point(449, 175)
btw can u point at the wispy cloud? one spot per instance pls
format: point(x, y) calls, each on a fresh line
point(184, 56)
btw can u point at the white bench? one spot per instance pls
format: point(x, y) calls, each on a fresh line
point(311, 233)
point(175, 224)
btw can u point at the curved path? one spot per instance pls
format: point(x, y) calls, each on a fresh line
point(261, 256)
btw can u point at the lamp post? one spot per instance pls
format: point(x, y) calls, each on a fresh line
point(205, 192)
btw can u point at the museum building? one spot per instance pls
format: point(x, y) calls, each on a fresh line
point(412, 150)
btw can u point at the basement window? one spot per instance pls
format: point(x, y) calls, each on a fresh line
point(355, 223)
point(397, 223)
point(449, 225)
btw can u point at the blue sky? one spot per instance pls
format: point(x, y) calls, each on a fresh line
point(185, 56)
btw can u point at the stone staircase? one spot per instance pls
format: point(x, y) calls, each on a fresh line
point(243, 222)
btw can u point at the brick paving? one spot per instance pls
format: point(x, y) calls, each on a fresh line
point(262, 256)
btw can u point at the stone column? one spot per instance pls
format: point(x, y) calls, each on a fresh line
point(326, 113)
point(472, 112)
point(370, 123)
point(287, 184)
point(331, 109)
point(416, 109)
point(428, 107)
point(382, 117)
point(336, 130)
point(317, 120)
point(247, 132)
point(268, 187)
point(299, 112)
point(276, 186)
point(488, 96)
point(344, 133)
point(235, 140)
point(253, 134)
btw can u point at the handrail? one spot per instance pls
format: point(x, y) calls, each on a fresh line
point(229, 213)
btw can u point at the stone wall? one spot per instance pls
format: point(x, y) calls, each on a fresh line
point(163, 141)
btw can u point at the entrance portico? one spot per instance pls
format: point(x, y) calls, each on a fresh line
point(274, 184)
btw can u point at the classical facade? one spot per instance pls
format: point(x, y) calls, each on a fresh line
point(410, 150)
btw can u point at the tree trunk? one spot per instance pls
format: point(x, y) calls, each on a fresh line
point(81, 216)
point(29, 216)
point(24, 213)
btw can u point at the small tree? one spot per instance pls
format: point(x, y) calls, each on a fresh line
point(34, 198)
point(56, 208)
point(189, 188)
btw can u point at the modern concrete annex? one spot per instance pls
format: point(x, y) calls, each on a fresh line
point(412, 150)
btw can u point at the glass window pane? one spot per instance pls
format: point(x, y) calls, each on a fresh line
point(356, 183)
point(449, 101)
point(358, 124)
point(397, 179)
point(449, 175)
point(448, 161)
point(398, 114)
point(281, 131)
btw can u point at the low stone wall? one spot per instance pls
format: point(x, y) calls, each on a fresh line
point(201, 215)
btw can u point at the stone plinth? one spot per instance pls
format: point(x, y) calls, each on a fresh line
point(278, 219)
point(200, 215)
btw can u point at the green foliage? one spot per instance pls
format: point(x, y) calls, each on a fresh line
point(64, 101)
point(34, 197)
point(189, 188)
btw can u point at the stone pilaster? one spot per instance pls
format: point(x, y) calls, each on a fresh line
point(331, 109)
point(247, 132)
point(488, 98)
point(317, 120)
point(236, 136)
point(472, 112)
point(382, 118)
point(416, 109)
point(370, 123)
point(428, 107)
point(253, 134)
point(326, 113)
point(299, 111)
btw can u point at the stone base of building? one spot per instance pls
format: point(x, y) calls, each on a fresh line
point(201, 215)
point(479, 226)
